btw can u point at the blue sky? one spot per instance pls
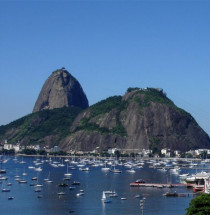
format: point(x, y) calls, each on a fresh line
point(108, 46)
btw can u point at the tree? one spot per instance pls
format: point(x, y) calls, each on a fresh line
point(199, 205)
point(117, 153)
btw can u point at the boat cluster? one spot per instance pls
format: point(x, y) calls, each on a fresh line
point(111, 165)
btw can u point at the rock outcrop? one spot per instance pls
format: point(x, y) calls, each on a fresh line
point(141, 119)
point(61, 89)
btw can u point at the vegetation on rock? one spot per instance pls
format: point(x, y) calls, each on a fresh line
point(36, 126)
point(103, 107)
point(142, 118)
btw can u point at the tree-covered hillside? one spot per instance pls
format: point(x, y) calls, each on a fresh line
point(34, 127)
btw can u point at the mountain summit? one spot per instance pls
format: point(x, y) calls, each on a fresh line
point(61, 89)
point(144, 118)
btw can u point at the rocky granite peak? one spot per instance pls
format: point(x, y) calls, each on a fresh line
point(61, 89)
point(144, 118)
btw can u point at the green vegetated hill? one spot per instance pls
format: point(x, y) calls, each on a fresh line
point(142, 118)
point(47, 127)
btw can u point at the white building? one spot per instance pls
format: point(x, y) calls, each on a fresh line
point(200, 151)
point(16, 148)
point(112, 151)
point(146, 152)
point(177, 153)
point(166, 152)
point(8, 146)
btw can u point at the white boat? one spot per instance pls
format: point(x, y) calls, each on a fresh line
point(131, 171)
point(47, 180)
point(80, 165)
point(123, 198)
point(5, 190)
point(114, 194)
point(2, 178)
point(34, 179)
point(104, 198)
point(22, 181)
point(61, 193)
point(72, 188)
point(115, 170)
point(184, 175)
point(39, 169)
point(67, 174)
point(80, 194)
point(105, 168)
point(39, 185)
point(37, 190)
point(22, 162)
point(24, 172)
point(85, 169)
point(61, 164)
point(31, 167)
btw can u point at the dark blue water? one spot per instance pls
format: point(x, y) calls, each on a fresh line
point(93, 182)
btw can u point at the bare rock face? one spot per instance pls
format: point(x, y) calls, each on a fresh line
point(141, 119)
point(61, 89)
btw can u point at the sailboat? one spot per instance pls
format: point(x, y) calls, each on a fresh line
point(47, 180)
point(24, 172)
point(67, 174)
point(2, 170)
point(22, 162)
point(105, 168)
point(4, 189)
point(61, 164)
point(104, 198)
point(131, 170)
point(115, 170)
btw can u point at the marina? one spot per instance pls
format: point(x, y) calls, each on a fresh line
point(49, 191)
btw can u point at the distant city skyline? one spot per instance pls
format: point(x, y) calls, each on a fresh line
point(108, 46)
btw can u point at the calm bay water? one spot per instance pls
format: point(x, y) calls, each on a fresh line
point(93, 182)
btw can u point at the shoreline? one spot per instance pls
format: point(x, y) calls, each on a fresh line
point(119, 158)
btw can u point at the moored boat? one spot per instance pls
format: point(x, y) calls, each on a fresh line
point(104, 198)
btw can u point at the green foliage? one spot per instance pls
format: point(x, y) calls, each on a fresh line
point(117, 153)
point(41, 152)
point(60, 153)
point(101, 108)
point(91, 127)
point(151, 95)
point(132, 154)
point(188, 155)
point(29, 151)
point(104, 154)
point(41, 124)
point(8, 152)
point(200, 205)
point(130, 89)
point(119, 129)
point(157, 96)
point(85, 125)
point(105, 106)
point(155, 145)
